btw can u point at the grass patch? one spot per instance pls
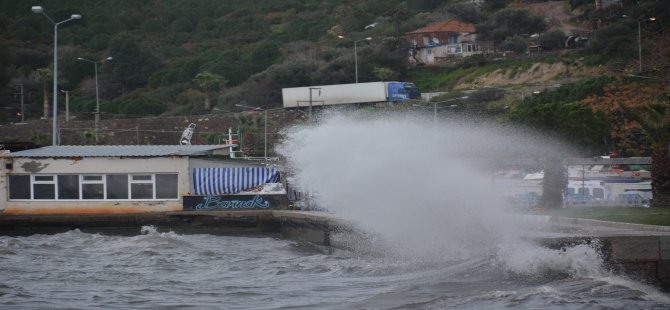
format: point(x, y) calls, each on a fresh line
point(649, 216)
point(444, 78)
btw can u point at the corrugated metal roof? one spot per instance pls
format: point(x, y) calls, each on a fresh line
point(117, 151)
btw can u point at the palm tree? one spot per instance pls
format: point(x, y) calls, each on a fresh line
point(44, 76)
point(655, 121)
point(207, 80)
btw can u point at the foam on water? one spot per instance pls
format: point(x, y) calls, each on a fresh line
point(427, 189)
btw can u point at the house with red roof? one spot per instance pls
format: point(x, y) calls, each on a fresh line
point(439, 41)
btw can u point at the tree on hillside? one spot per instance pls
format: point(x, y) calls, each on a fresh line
point(509, 22)
point(655, 120)
point(44, 76)
point(385, 74)
point(554, 181)
point(644, 108)
point(467, 12)
point(207, 80)
point(552, 40)
point(656, 58)
point(515, 44)
point(132, 66)
point(612, 44)
point(560, 113)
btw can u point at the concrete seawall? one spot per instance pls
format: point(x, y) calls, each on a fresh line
point(306, 226)
point(639, 251)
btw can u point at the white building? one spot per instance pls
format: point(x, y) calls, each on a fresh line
point(439, 41)
point(119, 179)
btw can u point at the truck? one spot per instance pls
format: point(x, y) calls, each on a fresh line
point(357, 93)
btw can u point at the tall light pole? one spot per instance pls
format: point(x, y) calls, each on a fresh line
point(445, 101)
point(265, 122)
point(67, 104)
point(639, 39)
point(309, 115)
point(97, 96)
point(20, 86)
point(341, 37)
point(40, 10)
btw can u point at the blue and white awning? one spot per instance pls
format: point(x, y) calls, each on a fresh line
point(223, 181)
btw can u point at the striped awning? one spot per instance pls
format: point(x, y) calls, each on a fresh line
point(224, 181)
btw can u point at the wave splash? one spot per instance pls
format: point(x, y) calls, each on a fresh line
point(427, 189)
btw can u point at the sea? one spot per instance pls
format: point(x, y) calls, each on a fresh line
point(434, 234)
point(154, 270)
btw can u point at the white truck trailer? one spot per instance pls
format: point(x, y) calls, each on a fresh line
point(373, 92)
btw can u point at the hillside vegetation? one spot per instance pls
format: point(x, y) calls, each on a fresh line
point(186, 57)
point(158, 48)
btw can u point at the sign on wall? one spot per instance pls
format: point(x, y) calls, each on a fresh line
point(235, 202)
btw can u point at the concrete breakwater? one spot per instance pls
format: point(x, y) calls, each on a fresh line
point(639, 251)
point(314, 227)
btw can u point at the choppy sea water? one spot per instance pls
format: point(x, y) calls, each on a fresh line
point(76, 270)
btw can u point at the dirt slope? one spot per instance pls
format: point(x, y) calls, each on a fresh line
point(556, 15)
point(538, 73)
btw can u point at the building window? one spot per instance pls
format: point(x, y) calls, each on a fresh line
point(92, 187)
point(68, 186)
point(117, 186)
point(162, 186)
point(166, 186)
point(44, 187)
point(19, 187)
point(453, 39)
point(598, 193)
point(142, 186)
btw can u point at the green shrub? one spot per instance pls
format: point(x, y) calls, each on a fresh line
point(515, 44)
point(152, 25)
point(140, 106)
point(181, 24)
point(552, 40)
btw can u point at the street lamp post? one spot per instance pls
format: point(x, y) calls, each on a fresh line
point(40, 10)
point(67, 104)
point(639, 39)
point(97, 96)
point(435, 106)
point(341, 37)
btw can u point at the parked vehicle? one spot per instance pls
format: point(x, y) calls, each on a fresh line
point(358, 93)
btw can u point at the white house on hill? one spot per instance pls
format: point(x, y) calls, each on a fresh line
point(439, 41)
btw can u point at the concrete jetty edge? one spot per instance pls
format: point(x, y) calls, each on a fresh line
point(641, 252)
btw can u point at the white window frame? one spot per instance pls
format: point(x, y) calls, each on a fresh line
point(103, 180)
point(34, 181)
point(152, 181)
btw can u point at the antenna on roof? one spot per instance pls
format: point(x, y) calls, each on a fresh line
point(187, 134)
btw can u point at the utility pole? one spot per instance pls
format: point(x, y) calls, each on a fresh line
point(309, 115)
point(20, 86)
point(67, 105)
